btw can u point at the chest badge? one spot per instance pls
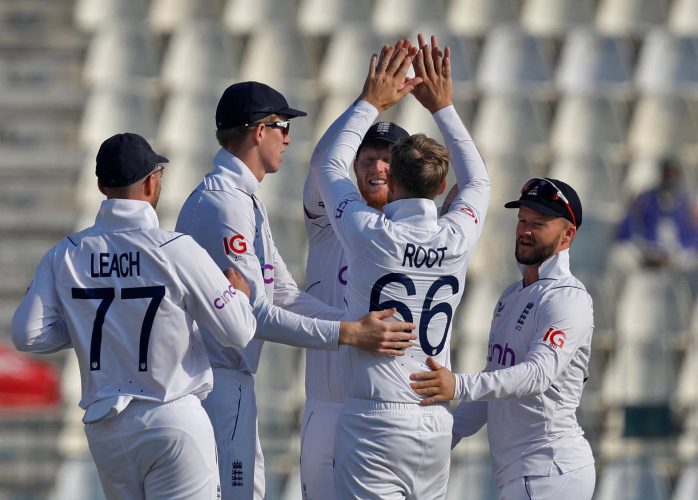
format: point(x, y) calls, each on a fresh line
point(522, 317)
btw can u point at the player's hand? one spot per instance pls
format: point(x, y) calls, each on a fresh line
point(236, 279)
point(387, 82)
point(439, 384)
point(372, 333)
point(434, 68)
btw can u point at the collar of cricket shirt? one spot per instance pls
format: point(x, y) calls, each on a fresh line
point(555, 267)
point(412, 211)
point(239, 174)
point(122, 214)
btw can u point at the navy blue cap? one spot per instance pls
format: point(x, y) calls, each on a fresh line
point(384, 131)
point(124, 159)
point(539, 194)
point(247, 102)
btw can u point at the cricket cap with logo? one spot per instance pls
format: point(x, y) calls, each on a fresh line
point(124, 159)
point(387, 132)
point(248, 102)
point(550, 197)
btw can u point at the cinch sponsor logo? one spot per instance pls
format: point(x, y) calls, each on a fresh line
point(235, 244)
point(267, 271)
point(341, 273)
point(555, 337)
point(225, 297)
point(503, 354)
point(340, 208)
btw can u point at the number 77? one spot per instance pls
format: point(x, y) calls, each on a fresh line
point(106, 295)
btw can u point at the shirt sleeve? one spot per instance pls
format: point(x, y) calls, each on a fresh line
point(564, 323)
point(468, 418)
point(237, 225)
point(469, 207)
point(288, 296)
point(346, 210)
point(38, 324)
point(312, 201)
point(209, 297)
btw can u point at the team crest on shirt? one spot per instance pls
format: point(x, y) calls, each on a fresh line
point(556, 338)
point(522, 317)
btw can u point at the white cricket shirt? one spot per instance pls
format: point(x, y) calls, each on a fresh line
point(225, 216)
point(125, 295)
point(326, 277)
point(537, 364)
point(405, 257)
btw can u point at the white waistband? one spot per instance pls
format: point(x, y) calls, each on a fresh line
point(369, 405)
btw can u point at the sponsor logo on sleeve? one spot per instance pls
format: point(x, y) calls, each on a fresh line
point(470, 213)
point(224, 297)
point(556, 338)
point(340, 208)
point(236, 245)
point(340, 275)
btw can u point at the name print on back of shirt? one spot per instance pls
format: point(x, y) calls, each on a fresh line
point(115, 265)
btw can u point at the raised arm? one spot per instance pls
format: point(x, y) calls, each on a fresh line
point(385, 85)
point(469, 205)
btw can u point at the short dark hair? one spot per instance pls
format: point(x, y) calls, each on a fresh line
point(419, 165)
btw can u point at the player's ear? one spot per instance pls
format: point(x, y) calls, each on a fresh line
point(101, 187)
point(443, 187)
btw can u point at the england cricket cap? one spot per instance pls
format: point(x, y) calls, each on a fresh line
point(247, 102)
point(384, 131)
point(124, 159)
point(550, 197)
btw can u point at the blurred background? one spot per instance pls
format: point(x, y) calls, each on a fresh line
point(602, 94)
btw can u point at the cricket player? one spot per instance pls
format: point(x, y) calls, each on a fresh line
point(326, 279)
point(387, 445)
point(125, 295)
point(538, 360)
point(228, 218)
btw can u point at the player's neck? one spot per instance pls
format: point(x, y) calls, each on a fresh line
point(530, 274)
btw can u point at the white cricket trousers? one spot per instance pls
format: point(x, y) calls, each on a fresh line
point(573, 485)
point(232, 408)
point(317, 449)
point(156, 451)
point(387, 451)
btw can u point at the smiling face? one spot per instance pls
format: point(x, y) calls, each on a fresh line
point(540, 236)
point(371, 168)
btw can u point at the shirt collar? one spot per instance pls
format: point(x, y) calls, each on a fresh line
point(231, 166)
point(555, 267)
point(412, 211)
point(119, 214)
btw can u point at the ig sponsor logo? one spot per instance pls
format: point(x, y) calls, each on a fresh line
point(555, 337)
point(235, 244)
point(470, 213)
point(225, 297)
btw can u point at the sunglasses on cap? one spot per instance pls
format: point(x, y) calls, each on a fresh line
point(549, 191)
point(284, 125)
